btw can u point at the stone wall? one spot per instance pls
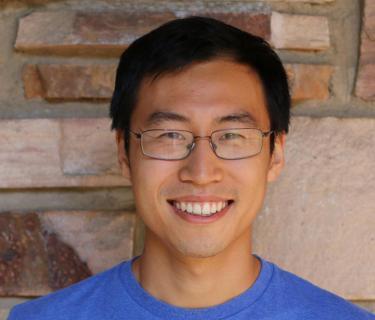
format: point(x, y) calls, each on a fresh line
point(65, 210)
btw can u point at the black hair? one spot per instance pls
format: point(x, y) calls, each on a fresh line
point(179, 43)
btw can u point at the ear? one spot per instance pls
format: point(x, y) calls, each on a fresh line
point(277, 159)
point(121, 154)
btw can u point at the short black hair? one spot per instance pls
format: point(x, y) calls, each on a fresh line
point(178, 44)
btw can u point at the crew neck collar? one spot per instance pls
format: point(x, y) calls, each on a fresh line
point(167, 311)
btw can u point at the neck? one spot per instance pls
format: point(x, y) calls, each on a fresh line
point(191, 282)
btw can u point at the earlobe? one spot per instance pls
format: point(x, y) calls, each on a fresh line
point(121, 154)
point(277, 159)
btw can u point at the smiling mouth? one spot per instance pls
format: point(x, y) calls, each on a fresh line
point(202, 209)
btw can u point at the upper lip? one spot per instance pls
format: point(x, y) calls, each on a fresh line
point(200, 198)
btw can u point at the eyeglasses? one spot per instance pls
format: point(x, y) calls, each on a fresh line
point(228, 144)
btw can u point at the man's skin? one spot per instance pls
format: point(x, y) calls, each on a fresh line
point(193, 264)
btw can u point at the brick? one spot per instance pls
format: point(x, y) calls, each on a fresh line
point(299, 32)
point(309, 82)
point(69, 32)
point(45, 251)
point(318, 219)
point(34, 154)
point(69, 82)
point(365, 88)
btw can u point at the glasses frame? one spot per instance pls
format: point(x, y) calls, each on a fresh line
point(139, 135)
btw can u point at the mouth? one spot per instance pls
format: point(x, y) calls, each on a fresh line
point(201, 209)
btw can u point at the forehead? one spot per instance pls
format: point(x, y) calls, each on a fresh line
point(203, 93)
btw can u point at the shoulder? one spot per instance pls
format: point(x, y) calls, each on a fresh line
point(309, 299)
point(70, 302)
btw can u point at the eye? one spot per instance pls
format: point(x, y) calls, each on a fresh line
point(231, 136)
point(172, 135)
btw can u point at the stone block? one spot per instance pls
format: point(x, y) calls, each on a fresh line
point(44, 251)
point(309, 82)
point(35, 153)
point(310, 1)
point(318, 219)
point(74, 32)
point(88, 148)
point(69, 82)
point(299, 32)
point(108, 32)
point(256, 23)
point(365, 87)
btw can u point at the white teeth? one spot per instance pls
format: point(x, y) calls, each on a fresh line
point(201, 208)
point(206, 209)
point(213, 208)
point(197, 209)
point(183, 206)
point(220, 206)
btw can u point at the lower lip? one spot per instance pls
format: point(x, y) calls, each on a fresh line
point(201, 219)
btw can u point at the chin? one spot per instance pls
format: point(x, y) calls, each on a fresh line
point(199, 250)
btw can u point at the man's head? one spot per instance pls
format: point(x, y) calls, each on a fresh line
point(200, 75)
point(180, 43)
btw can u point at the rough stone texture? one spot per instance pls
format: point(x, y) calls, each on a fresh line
point(309, 82)
point(93, 32)
point(31, 155)
point(69, 82)
point(311, 1)
point(88, 148)
point(32, 82)
point(365, 86)
point(366, 82)
point(22, 269)
point(299, 32)
point(43, 252)
point(101, 239)
point(108, 32)
point(255, 23)
point(318, 220)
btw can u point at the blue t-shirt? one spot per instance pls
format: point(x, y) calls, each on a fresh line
point(115, 294)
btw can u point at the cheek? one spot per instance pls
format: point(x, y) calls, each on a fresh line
point(149, 178)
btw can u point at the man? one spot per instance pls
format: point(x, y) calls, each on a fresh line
point(201, 111)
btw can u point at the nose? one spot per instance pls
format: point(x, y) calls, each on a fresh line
point(202, 166)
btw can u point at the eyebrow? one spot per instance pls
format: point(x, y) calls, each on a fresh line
point(242, 117)
point(159, 117)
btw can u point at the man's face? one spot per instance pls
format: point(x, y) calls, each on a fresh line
point(204, 94)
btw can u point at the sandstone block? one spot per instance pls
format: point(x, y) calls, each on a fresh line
point(43, 252)
point(311, 1)
point(88, 147)
point(299, 32)
point(256, 23)
point(365, 88)
point(318, 219)
point(35, 153)
point(70, 82)
point(69, 32)
point(108, 32)
point(309, 82)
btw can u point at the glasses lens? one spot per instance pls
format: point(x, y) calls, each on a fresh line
point(166, 144)
point(237, 143)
